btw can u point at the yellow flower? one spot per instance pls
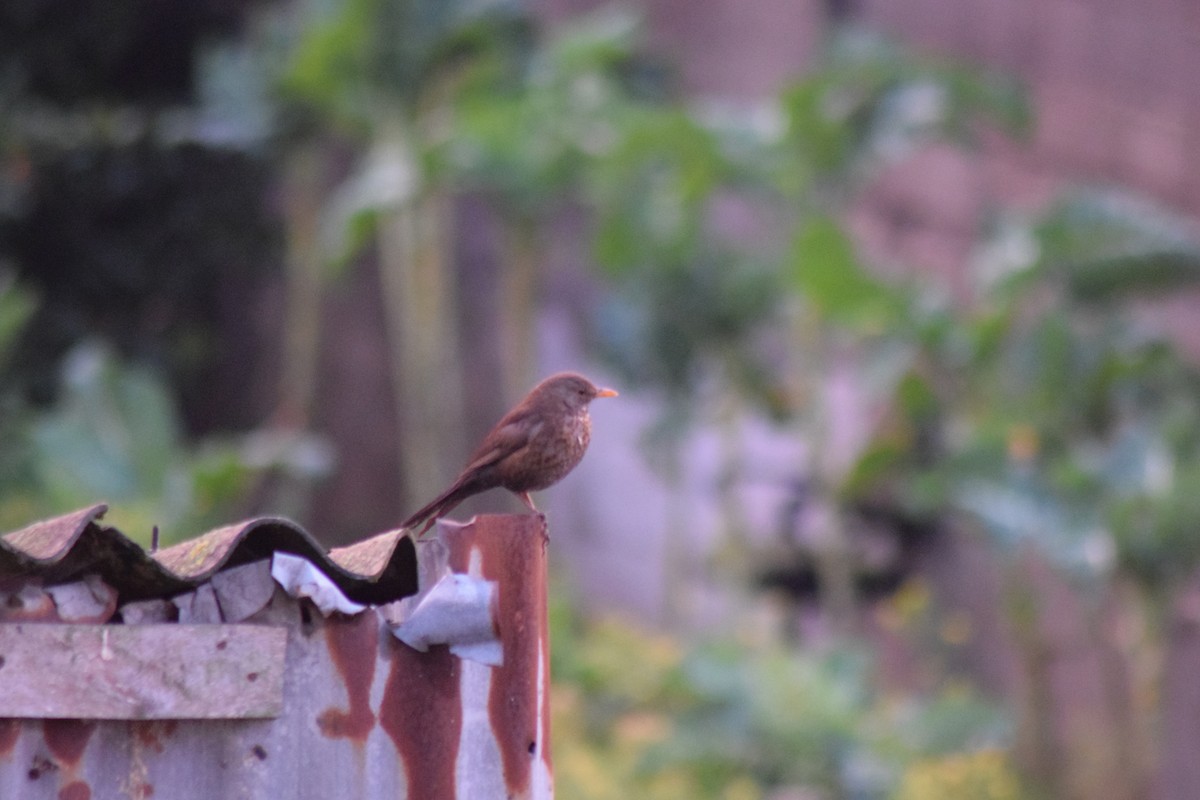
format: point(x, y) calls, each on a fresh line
point(911, 601)
point(982, 775)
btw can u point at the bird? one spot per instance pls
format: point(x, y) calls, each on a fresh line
point(532, 447)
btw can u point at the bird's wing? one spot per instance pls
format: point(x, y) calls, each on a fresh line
point(502, 442)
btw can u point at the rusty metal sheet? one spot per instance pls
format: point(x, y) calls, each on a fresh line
point(144, 612)
point(242, 591)
point(363, 715)
point(198, 607)
point(494, 720)
point(26, 601)
point(377, 570)
point(141, 671)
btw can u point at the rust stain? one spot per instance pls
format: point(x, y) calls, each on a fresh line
point(518, 566)
point(543, 613)
point(150, 733)
point(10, 730)
point(353, 643)
point(26, 601)
point(139, 788)
point(75, 790)
point(422, 713)
point(519, 569)
point(67, 739)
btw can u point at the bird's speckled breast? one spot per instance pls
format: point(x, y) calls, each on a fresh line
point(554, 453)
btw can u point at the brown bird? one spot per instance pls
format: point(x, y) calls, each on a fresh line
point(533, 446)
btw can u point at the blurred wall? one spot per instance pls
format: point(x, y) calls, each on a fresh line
point(1114, 81)
point(1115, 100)
point(731, 49)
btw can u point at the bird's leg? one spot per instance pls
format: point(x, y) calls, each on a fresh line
point(525, 498)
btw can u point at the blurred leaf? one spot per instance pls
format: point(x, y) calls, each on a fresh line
point(874, 464)
point(389, 177)
point(114, 436)
point(1156, 532)
point(358, 58)
point(873, 100)
point(528, 135)
point(817, 125)
point(329, 63)
point(652, 188)
point(916, 396)
point(824, 267)
point(1109, 246)
point(675, 322)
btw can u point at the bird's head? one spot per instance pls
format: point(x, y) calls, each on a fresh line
point(571, 389)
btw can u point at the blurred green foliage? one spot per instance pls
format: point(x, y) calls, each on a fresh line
point(114, 435)
point(1055, 411)
point(525, 130)
point(349, 62)
point(827, 273)
point(697, 305)
point(870, 101)
point(641, 714)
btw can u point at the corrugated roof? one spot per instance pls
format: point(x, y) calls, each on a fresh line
point(281, 702)
point(377, 570)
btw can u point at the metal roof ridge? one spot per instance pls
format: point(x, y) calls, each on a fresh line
point(59, 532)
point(376, 570)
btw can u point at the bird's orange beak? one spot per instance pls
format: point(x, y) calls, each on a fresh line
point(606, 393)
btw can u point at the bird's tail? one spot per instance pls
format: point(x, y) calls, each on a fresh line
point(439, 506)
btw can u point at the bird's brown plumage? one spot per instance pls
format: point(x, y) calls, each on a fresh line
point(532, 446)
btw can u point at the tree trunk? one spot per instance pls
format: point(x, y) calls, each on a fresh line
point(421, 309)
point(519, 285)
